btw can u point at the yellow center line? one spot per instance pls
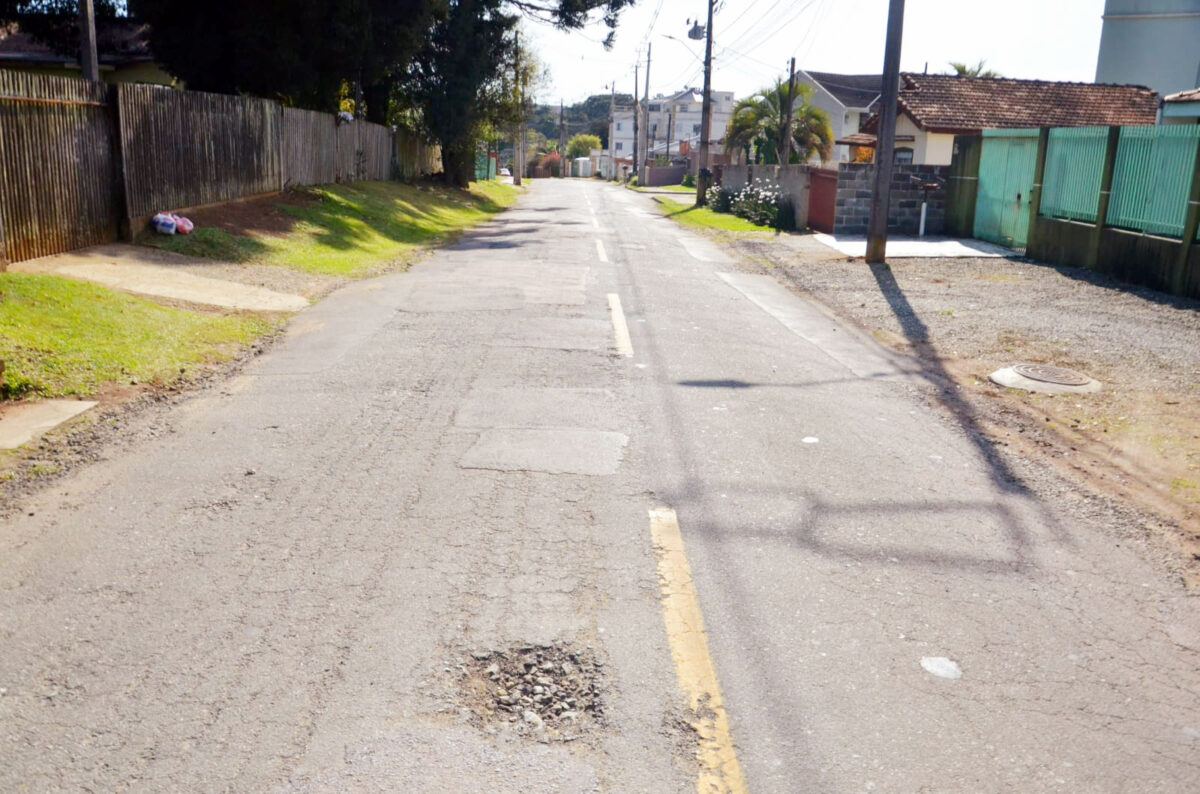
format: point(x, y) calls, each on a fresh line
point(720, 771)
point(620, 327)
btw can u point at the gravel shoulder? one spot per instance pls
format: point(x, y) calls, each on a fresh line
point(1135, 445)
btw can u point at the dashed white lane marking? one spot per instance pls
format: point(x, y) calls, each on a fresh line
point(620, 327)
point(600, 252)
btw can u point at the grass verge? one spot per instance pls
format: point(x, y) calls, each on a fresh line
point(350, 229)
point(60, 337)
point(705, 218)
point(670, 188)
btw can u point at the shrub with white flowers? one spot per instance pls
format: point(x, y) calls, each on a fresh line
point(759, 202)
point(719, 199)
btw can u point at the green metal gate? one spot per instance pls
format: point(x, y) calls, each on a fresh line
point(1006, 170)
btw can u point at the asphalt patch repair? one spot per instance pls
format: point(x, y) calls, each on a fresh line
point(550, 693)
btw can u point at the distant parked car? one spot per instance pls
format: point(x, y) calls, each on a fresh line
point(505, 172)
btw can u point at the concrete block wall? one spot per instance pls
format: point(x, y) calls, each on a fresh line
point(853, 210)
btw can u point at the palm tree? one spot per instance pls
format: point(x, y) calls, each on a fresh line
point(963, 70)
point(760, 121)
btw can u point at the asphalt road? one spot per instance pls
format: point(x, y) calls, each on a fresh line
point(291, 583)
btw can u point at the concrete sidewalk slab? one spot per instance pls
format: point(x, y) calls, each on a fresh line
point(162, 281)
point(916, 247)
point(23, 422)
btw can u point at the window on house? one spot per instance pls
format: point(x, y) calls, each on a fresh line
point(695, 128)
point(683, 108)
point(618, 125)
point(655, 108)
point(620, 146)
point(904, 156)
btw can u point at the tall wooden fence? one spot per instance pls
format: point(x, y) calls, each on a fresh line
point(309, 147)
point(56, 166)
point(186, 148)
point(79, 161)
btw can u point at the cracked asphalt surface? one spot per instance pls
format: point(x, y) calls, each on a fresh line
point(274, 592)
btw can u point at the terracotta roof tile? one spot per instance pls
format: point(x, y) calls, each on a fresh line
point(946, 103)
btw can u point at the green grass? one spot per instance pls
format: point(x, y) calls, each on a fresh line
point(60, 337)
point(705, 218)
point(353, 229)
point(671, 188)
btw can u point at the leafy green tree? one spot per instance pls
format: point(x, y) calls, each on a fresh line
point(761, 122)
point(964, 70)
point(581, 145)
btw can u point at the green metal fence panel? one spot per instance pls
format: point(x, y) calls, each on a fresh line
point(1074, 167)
point(1006, 170)
point(1152, 177)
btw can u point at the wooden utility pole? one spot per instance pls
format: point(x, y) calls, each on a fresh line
point(562, 142)
point(637, 111)
point(649, 127)
point(612, 130)
point(87, 41)
point(786, 154)
point(705, 115)
point(518, 139)
point(882, 193)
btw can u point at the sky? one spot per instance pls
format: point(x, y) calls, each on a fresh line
point(753, 40)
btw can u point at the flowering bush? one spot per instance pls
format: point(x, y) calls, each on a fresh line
point(719, 199)
point(759, 203)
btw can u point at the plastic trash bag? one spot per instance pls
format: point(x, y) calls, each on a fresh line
point(163, 223)
point(183, 225)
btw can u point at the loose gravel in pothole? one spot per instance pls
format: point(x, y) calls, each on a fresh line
point(546, 692)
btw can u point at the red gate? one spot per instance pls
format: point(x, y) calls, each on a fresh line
point(822, 199)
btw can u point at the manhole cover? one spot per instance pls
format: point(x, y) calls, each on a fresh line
point(1048, 374)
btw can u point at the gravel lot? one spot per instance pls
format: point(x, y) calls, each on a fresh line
point(1136, 444)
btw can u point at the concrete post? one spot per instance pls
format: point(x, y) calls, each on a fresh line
point(1092, 260)
point(1191, 224)
point(1035, 199)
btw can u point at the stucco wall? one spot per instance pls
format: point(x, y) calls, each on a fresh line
point(1152, 43)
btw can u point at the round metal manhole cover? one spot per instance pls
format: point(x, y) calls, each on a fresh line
point(1048, 374)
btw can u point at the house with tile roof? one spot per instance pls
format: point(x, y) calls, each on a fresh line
point(1182, 108)
point(849, 99)
point(933, 108)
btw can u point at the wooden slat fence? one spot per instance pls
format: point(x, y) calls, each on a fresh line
point(376, 147)
point(309, 147)
point(57, 175)
point(414, 157)
point(187, 148)
point(78, 160)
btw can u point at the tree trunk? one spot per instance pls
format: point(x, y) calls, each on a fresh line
point(458, 164)
point(376, 97)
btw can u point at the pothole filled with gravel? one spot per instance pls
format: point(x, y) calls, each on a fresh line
point(546, 692)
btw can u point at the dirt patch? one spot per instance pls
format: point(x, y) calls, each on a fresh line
point(264, 215)
point(1137, 441)
point(544, 692)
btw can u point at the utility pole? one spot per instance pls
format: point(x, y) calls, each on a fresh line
point(705, 115)
point(612, 130)
point(518, 139)
point(637, 111)
point(649, 134)
point(786, 156)
point(670, 127)
point(562, 142)
point(885, 144)
point(87, 41)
